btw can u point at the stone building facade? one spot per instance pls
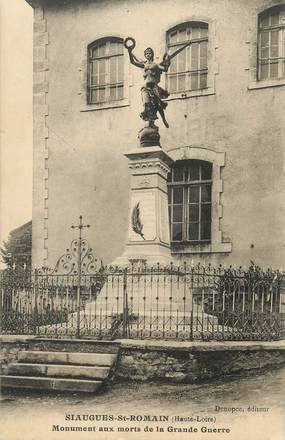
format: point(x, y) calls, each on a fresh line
point(226, 112)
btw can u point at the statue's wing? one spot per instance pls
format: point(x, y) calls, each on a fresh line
point(177, 51)
point(166, 61)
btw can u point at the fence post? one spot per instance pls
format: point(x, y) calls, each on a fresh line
point(78, 287)
point(1, 302)
point(192, 300)
point(125, 305)
point(191, 325)
point(35, 294)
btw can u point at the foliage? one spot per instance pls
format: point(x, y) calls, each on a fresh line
point(242, 296)
point(16, 251)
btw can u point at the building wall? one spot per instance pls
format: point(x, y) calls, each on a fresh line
point(79, 163)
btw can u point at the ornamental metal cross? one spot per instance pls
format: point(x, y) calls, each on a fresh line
point(79, 227)
point(78, 258)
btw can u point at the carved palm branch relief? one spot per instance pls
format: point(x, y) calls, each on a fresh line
point(136, 221)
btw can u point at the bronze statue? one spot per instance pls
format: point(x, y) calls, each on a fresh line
point(152, 94)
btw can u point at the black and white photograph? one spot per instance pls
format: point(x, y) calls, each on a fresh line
point(142, 219)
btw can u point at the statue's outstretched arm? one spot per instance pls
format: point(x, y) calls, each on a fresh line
point(135, 61)
point(129, 44)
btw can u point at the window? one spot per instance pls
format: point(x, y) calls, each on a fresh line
point(189, 69)
point(271, 43)
point(190, 201)
point(106, 70)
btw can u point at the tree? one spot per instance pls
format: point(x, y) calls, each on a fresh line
point(17, 250)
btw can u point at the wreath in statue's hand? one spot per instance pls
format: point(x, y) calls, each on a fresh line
point(130, 43)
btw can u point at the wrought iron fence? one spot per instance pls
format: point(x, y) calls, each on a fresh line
point(161, 302)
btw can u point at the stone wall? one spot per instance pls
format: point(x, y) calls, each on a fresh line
point(40, 136)
point(167, 361)
point(9, 353)
point(171, 366)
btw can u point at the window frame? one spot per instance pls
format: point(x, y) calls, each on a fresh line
point(189, 71)
point(107, 57)
point(211, 59)
point(83, 92)
point(186, 185)
point(253, 47)
point(217, 244)
point(280, 59)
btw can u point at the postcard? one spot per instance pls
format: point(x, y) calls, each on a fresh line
point(142, 283)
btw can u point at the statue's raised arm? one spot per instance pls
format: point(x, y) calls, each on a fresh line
point(130, 44)
point(153, 95)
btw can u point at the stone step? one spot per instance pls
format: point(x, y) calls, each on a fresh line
point(147, 316)
point(53, 357)
point(102, 310)
point(89, 317)
point(74, 345)
point(54, 370)
point(95, 325)
point(51, 383)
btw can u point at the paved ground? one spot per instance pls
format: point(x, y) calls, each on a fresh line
point(31, 416)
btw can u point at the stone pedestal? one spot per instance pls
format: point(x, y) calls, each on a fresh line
point(148, 234)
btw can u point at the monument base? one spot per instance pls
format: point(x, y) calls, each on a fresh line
point(149, 136)
point(148, 233)
point(150, 254)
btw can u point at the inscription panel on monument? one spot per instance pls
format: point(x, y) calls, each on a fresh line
point(148, 181)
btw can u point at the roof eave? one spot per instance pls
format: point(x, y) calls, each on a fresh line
point(35, 3)
point(32, 3)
